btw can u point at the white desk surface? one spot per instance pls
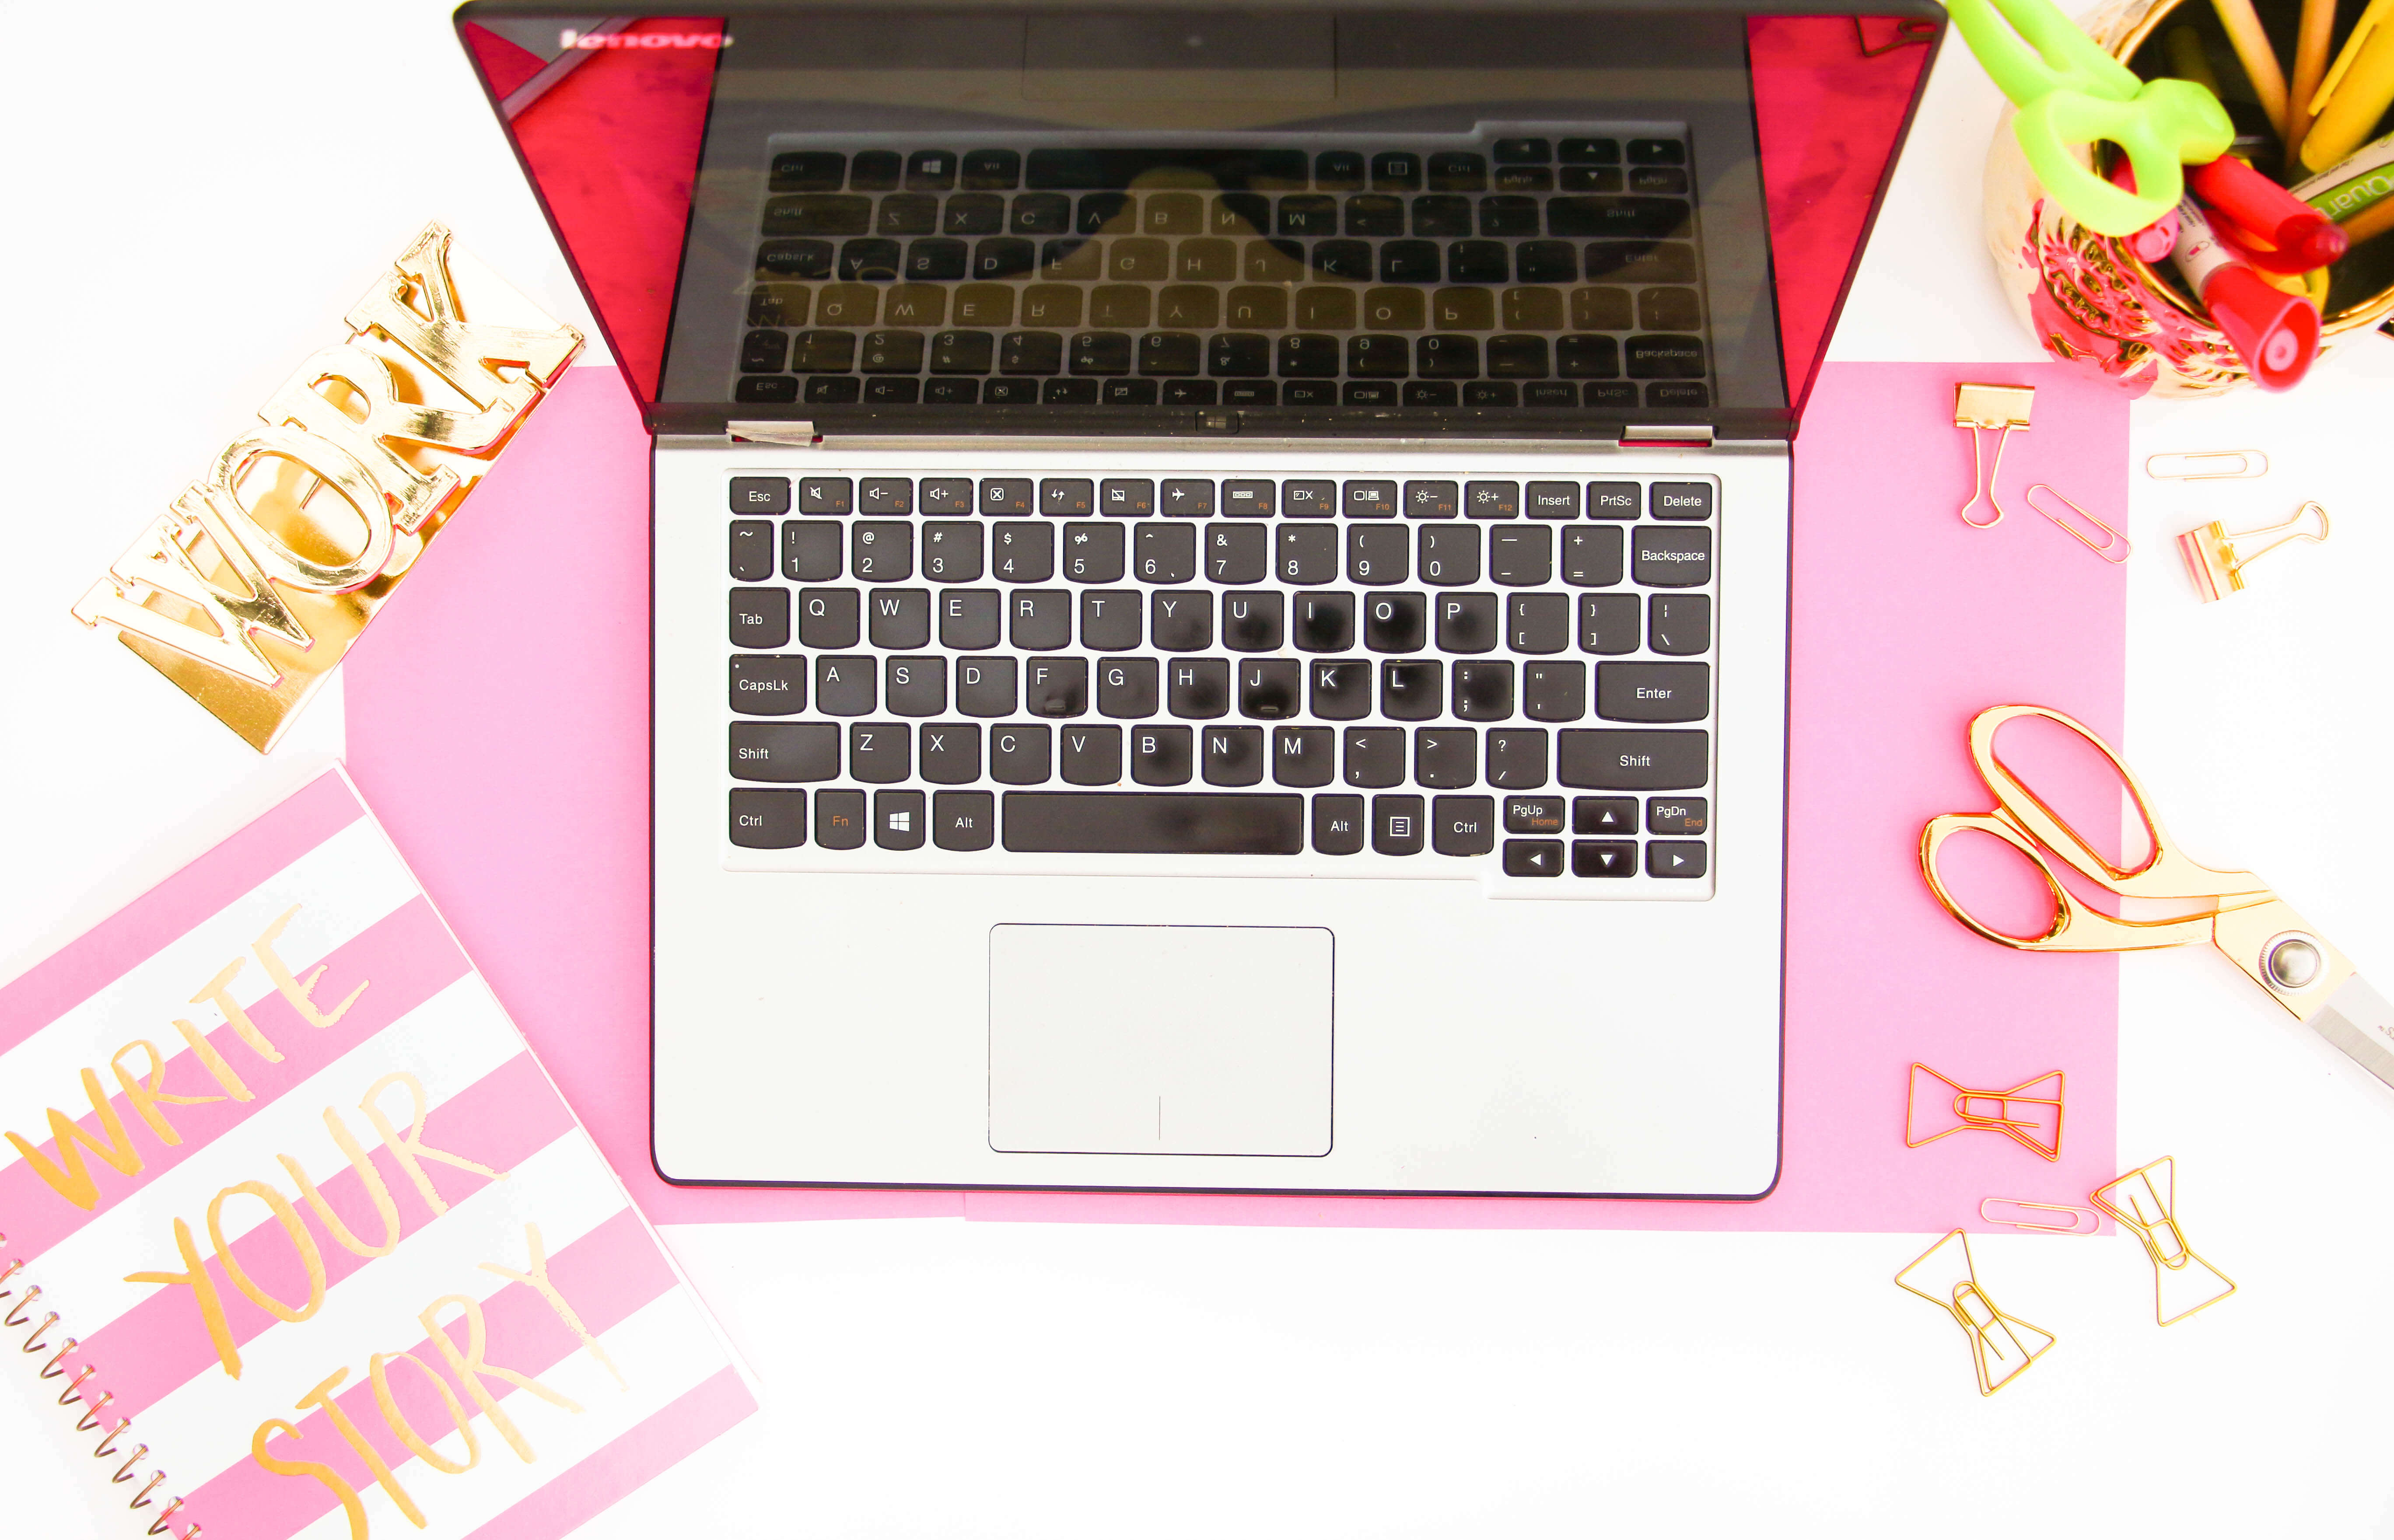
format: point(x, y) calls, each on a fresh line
point(934, 1377)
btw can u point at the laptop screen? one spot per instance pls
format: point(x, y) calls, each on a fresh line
point(1432, 221)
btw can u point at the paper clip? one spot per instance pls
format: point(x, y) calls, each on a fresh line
point(2217, 565)
point(2020, 1113)
point(1981, 408)
point(2112, 540)
point(2000, 1345)
point(2094, 1220)
point(2145, 1201)
point(2197, 465)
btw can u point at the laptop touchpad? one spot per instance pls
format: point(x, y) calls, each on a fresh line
point(1160, 1039)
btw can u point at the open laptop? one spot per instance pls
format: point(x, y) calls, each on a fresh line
point(1220, 594)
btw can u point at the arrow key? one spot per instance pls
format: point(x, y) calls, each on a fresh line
point(1675, 857)
point(1534, 858)
point(1604, 858)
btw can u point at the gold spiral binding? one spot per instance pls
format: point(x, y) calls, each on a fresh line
point(16, 1317)
point(19, 1315)
point(55, 1367)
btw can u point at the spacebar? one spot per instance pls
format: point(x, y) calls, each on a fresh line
point(1154, 823)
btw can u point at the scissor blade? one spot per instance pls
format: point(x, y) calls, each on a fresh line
point(2358, 1020)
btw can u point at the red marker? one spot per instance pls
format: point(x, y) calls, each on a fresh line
point(2155, 240)
point(2276, 333)
point(2289, 236)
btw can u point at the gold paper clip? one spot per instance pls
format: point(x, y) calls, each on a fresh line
point(2146, 1202)
point(2217, 565)
point(2002, 1347)
point(2021, 1114)
point(1981, 408)
point(2021, 1222)
point(2208, 465)
point(2113, 542)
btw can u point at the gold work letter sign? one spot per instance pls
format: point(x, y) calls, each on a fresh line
point(248, 591)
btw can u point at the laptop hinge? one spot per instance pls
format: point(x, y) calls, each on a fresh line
point(1677, 436)
point(802, 435)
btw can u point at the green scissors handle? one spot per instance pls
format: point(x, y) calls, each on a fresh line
point(2070, 93)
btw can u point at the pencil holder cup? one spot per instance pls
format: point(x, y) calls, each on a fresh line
point(2092, 302)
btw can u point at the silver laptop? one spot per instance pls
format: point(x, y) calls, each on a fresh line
point(1220, 592)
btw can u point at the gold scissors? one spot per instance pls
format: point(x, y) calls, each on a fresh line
point(2256, 929)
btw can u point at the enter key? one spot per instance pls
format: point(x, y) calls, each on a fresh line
point(1653, 692)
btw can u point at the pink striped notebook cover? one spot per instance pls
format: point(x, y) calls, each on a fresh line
point(323, 1244)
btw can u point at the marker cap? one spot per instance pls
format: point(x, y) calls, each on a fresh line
point(2276, 333)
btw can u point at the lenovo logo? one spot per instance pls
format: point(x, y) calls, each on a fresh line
point(570, 39)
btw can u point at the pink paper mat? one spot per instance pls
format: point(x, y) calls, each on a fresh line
point(498, 724)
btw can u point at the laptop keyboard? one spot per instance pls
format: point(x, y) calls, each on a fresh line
point(1506, 676)
point(1523, 269)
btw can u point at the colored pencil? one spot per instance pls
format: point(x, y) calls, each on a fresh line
point(2253, 50)
point(2311, 66)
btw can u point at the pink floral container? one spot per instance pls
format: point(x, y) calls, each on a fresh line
point(2086, 297)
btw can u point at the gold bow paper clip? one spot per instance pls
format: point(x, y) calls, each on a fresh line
point(2146, 1202)
point(2002, 1347)
point(2029, 1113)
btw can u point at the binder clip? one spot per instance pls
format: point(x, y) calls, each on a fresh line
point(1989, 407)
point(2114, 547)
point(2217, 565)
point(2002, 1347)
point(2029, 1113)
point(2208, 466)
point(2021, 1215)
point(2145, 1201)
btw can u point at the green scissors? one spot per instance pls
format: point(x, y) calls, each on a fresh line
point(2070, 93)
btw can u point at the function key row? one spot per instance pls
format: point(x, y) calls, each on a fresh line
point(1259, 497)
point(907, 390)
point(1266, 169)
point(1146, 823)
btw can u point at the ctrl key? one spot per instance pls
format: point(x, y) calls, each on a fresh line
point(769, 820)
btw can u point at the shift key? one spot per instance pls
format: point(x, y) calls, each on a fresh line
point(1666, 556)
point(1632, 760)
point(1653, 692)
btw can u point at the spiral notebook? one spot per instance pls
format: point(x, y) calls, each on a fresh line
point(298, 1238)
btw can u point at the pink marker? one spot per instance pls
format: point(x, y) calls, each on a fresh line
point(2276, 333)
point(2156, 240)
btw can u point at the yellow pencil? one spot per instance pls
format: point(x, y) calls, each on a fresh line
point(2253, 52)
point(2310, 65)
point(2358, 89)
